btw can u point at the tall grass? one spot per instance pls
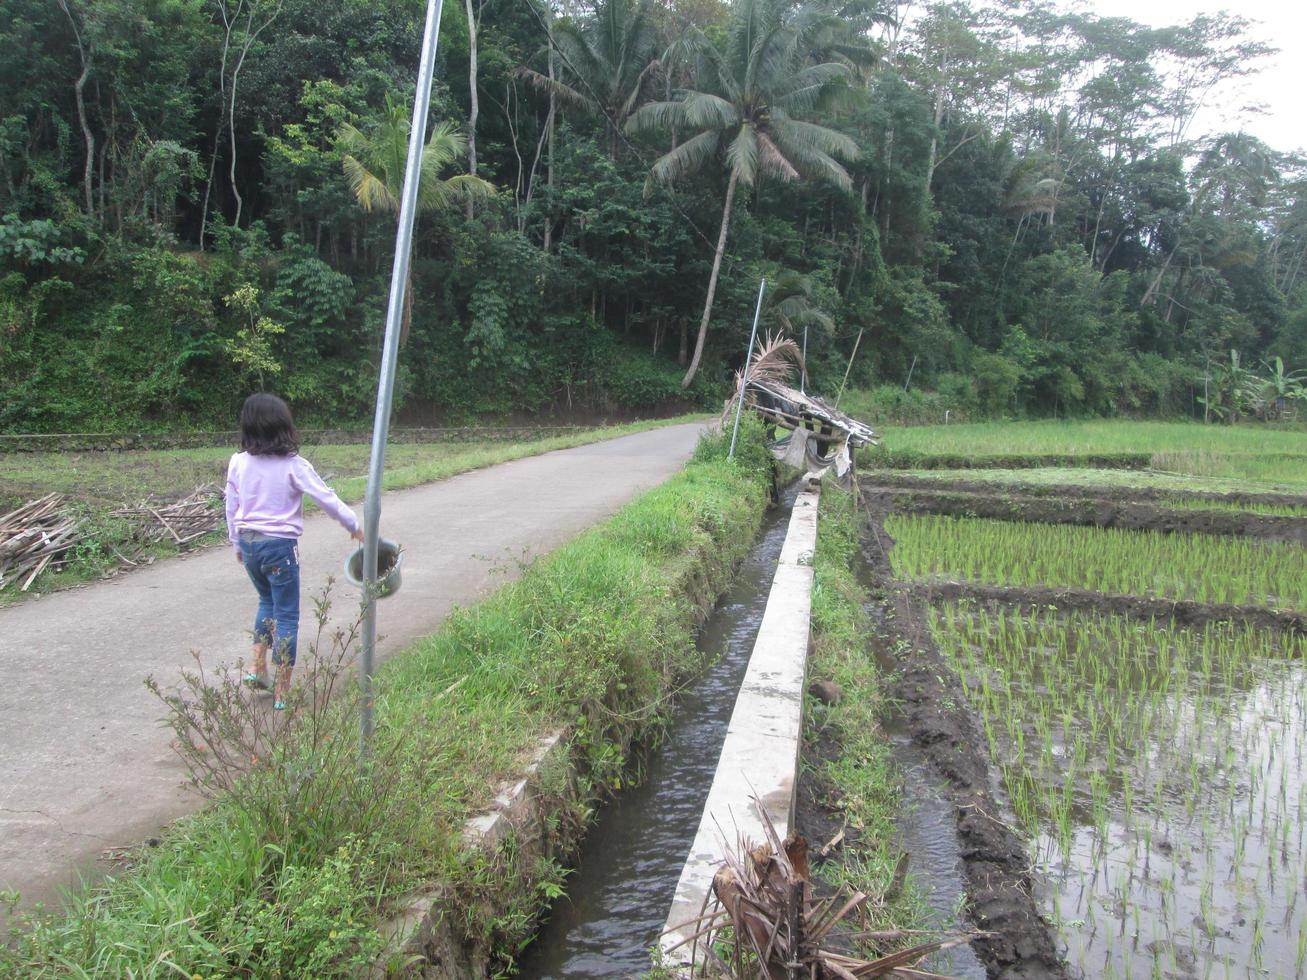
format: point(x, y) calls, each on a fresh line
point(858, 769)
point(593, 639)
point(1202, 567)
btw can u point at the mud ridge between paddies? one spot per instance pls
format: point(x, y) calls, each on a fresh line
point(884, 480)
point(999, 878)
point(1182, 612)
point(1092, 512)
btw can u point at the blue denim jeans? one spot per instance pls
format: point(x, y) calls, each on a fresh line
point(273, 565)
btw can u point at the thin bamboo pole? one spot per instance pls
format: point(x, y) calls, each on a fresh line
point(848, 369)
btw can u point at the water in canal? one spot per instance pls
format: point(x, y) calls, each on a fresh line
point(619, 897)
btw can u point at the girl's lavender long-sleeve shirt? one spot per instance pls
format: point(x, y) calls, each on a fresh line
point(266, 494)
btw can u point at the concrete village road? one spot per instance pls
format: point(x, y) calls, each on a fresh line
point(86, 765)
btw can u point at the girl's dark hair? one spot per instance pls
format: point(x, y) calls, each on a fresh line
point(267, 428)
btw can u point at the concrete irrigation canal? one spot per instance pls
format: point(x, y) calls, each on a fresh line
point(646, 871)
point(733, 748)
point(619, 898)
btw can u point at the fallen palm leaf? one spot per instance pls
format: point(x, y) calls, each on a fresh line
point(768, 925)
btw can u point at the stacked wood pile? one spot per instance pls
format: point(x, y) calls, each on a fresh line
point(181, 521)
point(36, 536)
point(41, 534)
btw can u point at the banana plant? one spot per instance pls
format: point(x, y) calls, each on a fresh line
point(1275, 390)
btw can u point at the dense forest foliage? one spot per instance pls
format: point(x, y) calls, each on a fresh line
point(1003, 204)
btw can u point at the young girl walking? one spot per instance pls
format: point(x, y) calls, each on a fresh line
point(266, 484)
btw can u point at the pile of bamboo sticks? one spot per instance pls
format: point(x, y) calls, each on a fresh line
point(34, 537)
point(184, 521)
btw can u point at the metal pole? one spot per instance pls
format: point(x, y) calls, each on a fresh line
point(744, 382)
point(389, 356)
point(803, 372)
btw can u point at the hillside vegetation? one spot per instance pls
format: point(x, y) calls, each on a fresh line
point(1007, 206)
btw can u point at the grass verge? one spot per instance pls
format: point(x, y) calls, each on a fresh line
point(848, 757)
point(300, 858)
point(101, 482)
point(1095, 436)
point(1259, 453)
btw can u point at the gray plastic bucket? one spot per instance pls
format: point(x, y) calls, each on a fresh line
point(390, 558)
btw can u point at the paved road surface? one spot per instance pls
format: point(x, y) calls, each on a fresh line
point(84, 762)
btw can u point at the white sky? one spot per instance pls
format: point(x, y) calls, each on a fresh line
point(1281, 85)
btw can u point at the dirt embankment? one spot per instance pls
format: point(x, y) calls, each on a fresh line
point(1182, 612)
point(1097, 512)
point(887, 479)
point(908, 459)
point(997, 868)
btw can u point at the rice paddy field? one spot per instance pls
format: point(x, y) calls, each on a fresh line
point(1159, 774)
point(1158, 771)
point(1148, 563)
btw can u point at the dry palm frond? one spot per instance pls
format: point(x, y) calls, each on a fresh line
point(773, 363)
point(768, 925)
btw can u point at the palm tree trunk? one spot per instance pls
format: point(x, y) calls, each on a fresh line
point(712, 282)
point(549, 157)
point(79, 88)
point(474, 108)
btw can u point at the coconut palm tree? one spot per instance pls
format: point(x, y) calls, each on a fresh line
point(609, 63)
point(745, 115)
point(374, 167)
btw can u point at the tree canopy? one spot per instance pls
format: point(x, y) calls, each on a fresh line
point(1010, 203)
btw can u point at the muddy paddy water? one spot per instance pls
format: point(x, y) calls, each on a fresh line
point(617, 900)
point(1161, 774)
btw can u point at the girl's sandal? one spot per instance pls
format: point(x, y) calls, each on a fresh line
point(259, 681)
point(283, 688)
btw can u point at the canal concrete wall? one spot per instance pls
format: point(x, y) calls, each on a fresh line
point(757, 772)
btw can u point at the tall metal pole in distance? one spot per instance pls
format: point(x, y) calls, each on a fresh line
point(389, 355)
point(803, 372)
point(744, 383)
